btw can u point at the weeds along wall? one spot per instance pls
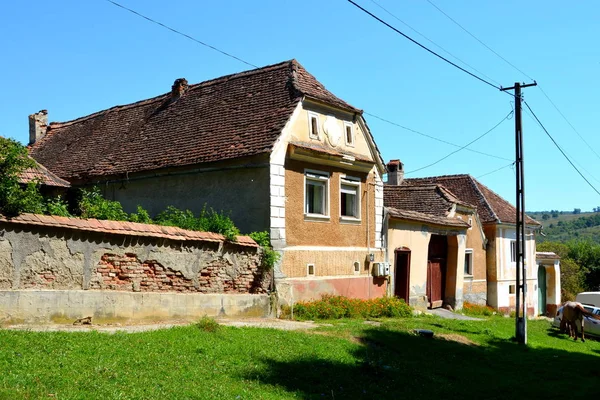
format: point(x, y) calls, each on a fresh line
point(59, 269)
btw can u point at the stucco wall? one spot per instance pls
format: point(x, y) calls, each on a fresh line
point(475, 285)
point(38, 259)
point(242, 189)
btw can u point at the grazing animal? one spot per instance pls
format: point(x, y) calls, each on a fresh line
point(573, 313)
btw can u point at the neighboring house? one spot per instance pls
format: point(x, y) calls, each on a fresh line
point(50, 184)
point(272, 146)
point(489, 249)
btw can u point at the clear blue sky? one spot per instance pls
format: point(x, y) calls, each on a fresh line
point(75, 57)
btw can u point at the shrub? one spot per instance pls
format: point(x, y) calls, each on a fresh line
point(15, 197)
point(208, 324)
point(57, 206)
point(94, 205)
point(142, 216)
point(335, 307)
point(207, 221)
point(477, 309)
point(172, 216)
point(269, 256)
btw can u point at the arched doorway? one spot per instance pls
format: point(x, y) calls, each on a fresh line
point(542, 290)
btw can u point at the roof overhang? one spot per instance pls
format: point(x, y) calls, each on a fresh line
point(415, 216)
point(305, 152)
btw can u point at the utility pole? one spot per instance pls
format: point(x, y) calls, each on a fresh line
point(521, 273)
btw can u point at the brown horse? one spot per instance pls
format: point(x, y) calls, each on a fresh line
point(573, 313)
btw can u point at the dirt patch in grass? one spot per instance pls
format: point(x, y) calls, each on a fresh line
point(452, 337)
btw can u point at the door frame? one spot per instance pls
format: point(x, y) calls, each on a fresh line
point(400, 286)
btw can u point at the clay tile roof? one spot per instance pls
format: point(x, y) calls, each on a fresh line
point(490, 206)
point(123, 228)
point(546, 255)
point(431, 199)
point(229, 117)
point(41, 174)
point(428, 218)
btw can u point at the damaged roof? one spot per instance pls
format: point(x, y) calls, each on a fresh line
point(229, 117)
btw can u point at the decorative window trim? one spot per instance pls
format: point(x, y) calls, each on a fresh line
point(470, 220)
point(469, 273)
point(310, 269)
point(353, 182)
point(356, 267)
point(348, 125)
point(317, 176)
point(313, 116)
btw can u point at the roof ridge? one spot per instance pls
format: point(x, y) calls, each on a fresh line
point(143, 102)
point(441, 176)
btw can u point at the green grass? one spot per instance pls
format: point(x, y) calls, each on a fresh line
point(347, 360)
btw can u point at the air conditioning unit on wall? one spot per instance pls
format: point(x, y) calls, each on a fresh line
point(381, 269)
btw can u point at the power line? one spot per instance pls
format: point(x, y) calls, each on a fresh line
point(476, 38)
point(496, 170)
point(422, 46)
point(519, 70)
point(433, 137)
point(432, 42)
point(182, 34)
point(559, 148)
point(465, 146)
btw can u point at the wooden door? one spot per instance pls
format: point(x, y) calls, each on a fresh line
point(435, 282)
point(402, 272)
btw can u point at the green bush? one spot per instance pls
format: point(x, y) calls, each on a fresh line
point(15, 197)
point(207, 221)
point(94, 205)
point(57, 206)
point(208, 324)
point(142, 216)
point(269, 256)
point(172, 216)
point(478, 310)
point(336, 307)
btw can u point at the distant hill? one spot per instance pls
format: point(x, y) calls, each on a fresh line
point(562, 226)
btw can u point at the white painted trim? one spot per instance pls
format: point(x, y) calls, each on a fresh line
point(312, 115)
point(352, 134)
point(470, 280)
point(355, 182)
point(326, 248)
point(322, 176)
point(314, 269)
point(323, 277)
point(470, 251)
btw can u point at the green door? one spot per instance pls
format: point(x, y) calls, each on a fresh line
point(542, 289)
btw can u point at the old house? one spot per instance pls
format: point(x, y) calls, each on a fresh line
point(272, 146)
point(485, 267)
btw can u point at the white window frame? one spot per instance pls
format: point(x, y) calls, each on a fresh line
point(317, 176)
point(350, 142)
point(470, 268)
point(513, 251)
point(308, 268)
point(355, 182)
point(354, 264)
point(312, 115)
point(470, 223)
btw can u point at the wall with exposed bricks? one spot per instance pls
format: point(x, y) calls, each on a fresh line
point(40, 254)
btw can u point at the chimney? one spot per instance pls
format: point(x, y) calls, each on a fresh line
point(178, 89)
point(395, 174)
point(38, 124)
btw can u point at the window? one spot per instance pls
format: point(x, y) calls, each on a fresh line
point(513, 251)
point(316, 193)
point(349, 197)
point(349, 134)
point(313, 125)
point(356, 267)
point(470, 223)
point(468, 262)
point(310, 269)
point(511, 289)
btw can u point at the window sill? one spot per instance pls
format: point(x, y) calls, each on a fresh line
point(316, 217)
point(468, 276)
point(350, 220)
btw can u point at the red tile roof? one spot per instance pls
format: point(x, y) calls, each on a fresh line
point(43, 176)
point(490, 206)
point(124, 228)
point(229, 117)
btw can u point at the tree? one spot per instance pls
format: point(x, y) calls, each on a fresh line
point(16, 197)
point(577, 211)
point(545, 216)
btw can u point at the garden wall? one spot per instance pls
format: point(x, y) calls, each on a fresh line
point(60, 269)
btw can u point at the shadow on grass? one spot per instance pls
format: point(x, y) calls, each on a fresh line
point(394, 365)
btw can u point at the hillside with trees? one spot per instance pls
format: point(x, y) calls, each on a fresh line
point(562, 226)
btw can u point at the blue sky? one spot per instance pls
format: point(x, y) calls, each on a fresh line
point(76, 57)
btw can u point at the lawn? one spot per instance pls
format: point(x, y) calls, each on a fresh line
point(348, 359)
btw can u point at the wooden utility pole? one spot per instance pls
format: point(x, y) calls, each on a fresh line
point(521, 273)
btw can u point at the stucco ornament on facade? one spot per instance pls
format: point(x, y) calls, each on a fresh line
point(332, 130)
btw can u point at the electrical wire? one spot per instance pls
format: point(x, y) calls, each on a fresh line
point(433, 137)
point(432, 42)
point(519, 70)
point(422, 46)
point(508, 116)
point(559, 148)
point(496, 170)
point(181, 33)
